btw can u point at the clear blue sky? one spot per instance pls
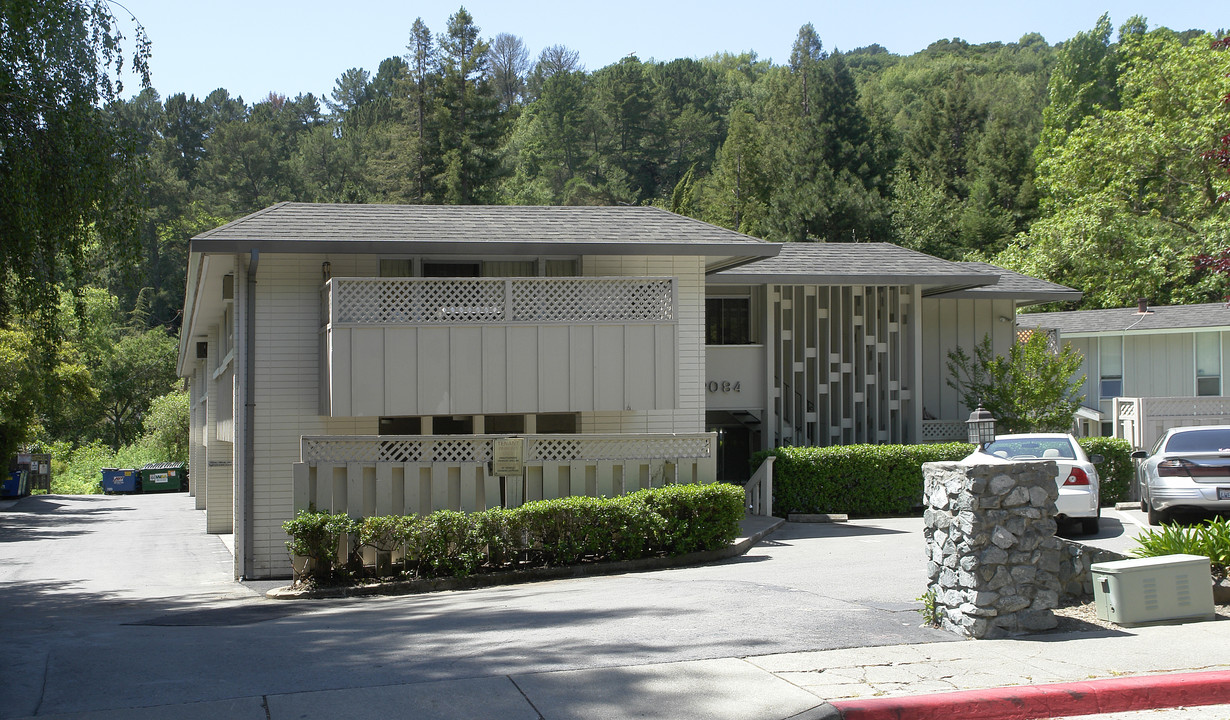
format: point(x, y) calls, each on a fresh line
point(257, 46)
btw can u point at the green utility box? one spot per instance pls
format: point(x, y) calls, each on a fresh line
point(1167, 588)
point(164, 477)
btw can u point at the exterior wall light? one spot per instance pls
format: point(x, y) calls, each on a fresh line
point(981, 427)
point(326, 270)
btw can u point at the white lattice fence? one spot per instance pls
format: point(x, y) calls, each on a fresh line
point(592, 300)
point(944, 431)
point(455, 301)
point(377, 475)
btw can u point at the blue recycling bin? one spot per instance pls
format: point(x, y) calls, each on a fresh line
point(119, 480)
point(14, 485)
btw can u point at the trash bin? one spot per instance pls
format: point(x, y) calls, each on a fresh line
point(115, 480)
point(163, 477)
point(14, 485)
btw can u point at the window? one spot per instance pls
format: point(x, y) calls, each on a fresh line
point(1111, 366)
point(509, 268)
point(1208, 363)
point(504, 424)
point(451, 269)
point(452, 425)
point(549, 423)
point(728, 321)
point(396, 268)
point(560, 268)
point(400, 426)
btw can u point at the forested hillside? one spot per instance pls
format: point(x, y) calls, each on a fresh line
point(1099, 162)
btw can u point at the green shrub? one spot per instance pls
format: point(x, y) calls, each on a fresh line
point(698, 517)
point(449, 544)
point(672, 520)
point(863, 480)
point(1117, 471)
point(1211, 539)
point(318, 537)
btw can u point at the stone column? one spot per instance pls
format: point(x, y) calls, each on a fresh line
point(993, 558)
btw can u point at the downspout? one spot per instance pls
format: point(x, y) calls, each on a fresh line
point(249, 414)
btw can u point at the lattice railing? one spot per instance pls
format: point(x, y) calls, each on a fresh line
point(456, 301)
point(944, 431)
point(477, 448)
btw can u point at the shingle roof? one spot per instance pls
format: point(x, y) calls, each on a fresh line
point(855, 263)
point(304, 227)
point(1166, 317)
point(1016, 286)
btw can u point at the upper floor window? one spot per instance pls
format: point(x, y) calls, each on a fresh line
point(1208, 363)
point(728, 321)
point(1110, 352)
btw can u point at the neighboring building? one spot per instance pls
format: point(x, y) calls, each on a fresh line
point(1177, 351)
point(363, 358)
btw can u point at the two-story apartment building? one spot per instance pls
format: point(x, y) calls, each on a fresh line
point(364, 358)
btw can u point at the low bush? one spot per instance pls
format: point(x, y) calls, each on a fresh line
point(862, 480)
point(318, 536)
point(1117, 471)
point(1210, 539)
point(672, 520)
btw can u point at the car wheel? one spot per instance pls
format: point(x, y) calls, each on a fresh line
point(1157, 517)
point(1089, 526)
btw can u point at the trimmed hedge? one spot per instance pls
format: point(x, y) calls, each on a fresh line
point(871, 480)
point(863, 480)
point(673, 520)
point(1117, 471)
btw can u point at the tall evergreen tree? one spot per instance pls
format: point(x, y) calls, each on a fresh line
point(469, 114)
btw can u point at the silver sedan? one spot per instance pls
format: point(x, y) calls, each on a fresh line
point(1188, 467)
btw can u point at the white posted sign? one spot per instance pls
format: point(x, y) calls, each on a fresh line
point(508, 457)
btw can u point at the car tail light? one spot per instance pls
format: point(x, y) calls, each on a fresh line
point(1177, 467)
point(1077, 477)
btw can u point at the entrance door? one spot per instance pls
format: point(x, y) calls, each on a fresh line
point(734, 453)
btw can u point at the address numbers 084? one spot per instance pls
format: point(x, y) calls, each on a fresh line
point(725, 386)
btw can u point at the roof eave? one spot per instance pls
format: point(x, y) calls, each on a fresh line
point(745, 252)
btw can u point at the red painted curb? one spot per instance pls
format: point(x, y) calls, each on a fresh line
point(1023, 702)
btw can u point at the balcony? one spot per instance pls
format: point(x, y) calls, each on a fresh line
point(433, 346)
point(379, 475)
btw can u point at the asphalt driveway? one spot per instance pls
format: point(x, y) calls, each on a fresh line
point(116, 602)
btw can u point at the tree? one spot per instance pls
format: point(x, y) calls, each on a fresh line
point(350, 91)
point(66, 174)
point(509, 63)
point(468, 112)
point(166, 425)
point(19, 387)
point(1034, 389)
point(553, 60)
point(1127, 196)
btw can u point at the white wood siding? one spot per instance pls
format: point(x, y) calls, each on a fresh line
point(287, 390)
point(687, 415)
point(485, 370)
point(951, 323)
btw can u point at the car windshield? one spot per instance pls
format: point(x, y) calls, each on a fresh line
point(1028, 448)
point(1207, 440)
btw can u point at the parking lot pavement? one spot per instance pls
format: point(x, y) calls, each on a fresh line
point(120, 607)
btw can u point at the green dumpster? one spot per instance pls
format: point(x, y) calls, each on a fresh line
point(164, 477)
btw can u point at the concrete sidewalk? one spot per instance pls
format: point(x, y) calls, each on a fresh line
point(768, 687)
